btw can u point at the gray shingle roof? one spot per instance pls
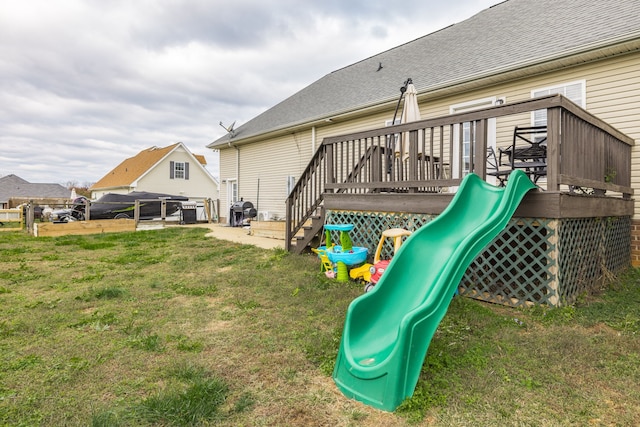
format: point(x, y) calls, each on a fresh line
point(14, 186)
point(505, 37)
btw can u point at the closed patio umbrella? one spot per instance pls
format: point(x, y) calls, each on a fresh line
point(410, 113)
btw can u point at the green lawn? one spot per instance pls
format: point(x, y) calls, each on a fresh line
point(169, 327)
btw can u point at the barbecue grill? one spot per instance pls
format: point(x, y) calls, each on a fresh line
point(240, 212)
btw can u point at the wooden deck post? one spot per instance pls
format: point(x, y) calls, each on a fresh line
point(136, 211)
point(289, 224)
point(30, 219)
point(480, 151)
point(329, 159)
point(413, 158)
point(554, 258)
point(554, 140)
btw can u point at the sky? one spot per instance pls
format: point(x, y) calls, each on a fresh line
point(85, 84)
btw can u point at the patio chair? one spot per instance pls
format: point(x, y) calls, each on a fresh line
point(528, 151)
point(493, 167)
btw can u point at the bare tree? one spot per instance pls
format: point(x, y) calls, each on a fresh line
point(81, 190)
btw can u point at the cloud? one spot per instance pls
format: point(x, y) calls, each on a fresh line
point(85, 84)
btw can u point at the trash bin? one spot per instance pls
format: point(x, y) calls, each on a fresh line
point(188, 213)
point(240, 212)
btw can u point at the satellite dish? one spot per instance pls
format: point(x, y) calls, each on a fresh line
point(229, 129)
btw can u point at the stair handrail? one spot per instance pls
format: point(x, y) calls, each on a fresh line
point(311, 184)
point(300, 209)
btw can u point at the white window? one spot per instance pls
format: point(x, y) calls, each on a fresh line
point(291, 182)
point(388, 123)
point(575, 91)
point(232, 191)
point(178, 170)
point(466, 132)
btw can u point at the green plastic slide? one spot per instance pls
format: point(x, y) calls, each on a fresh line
point(387, 331)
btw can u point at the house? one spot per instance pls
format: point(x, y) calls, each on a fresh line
point(15, 191)
point(171, 170)
point(571, 66)
point(516, 50)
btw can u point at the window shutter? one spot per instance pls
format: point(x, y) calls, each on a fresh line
point(171, 170)
point(186, 170)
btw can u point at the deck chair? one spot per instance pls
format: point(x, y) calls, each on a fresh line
point(493, 167)
point(529, 142)
point(528, 151)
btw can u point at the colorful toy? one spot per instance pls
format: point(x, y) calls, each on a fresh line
point(344, 259)
point(363, 272)
point(345, 254)
point(379, 266)
point(376, 272)
point(326, 266)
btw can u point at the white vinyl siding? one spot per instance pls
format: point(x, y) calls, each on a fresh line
point(266, 168)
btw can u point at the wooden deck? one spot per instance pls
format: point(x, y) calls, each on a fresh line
point(415, 167)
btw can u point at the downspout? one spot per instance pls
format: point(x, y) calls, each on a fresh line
point(237, 164)
point(313, 140)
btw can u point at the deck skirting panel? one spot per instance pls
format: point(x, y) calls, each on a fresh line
point(533, 261)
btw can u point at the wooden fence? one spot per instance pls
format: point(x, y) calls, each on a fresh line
point(11, 219)
point(49, 227)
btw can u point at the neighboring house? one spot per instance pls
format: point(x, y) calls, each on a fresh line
point(587, 50)
point(171, 170)
point(15, 191)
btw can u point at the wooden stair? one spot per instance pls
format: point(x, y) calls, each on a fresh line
point(312, 233)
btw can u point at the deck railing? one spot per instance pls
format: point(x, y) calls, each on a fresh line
point(432, 156)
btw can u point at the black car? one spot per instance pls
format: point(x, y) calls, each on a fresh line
point(115, 206)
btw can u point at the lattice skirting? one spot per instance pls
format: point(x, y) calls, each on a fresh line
point(533, 261)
